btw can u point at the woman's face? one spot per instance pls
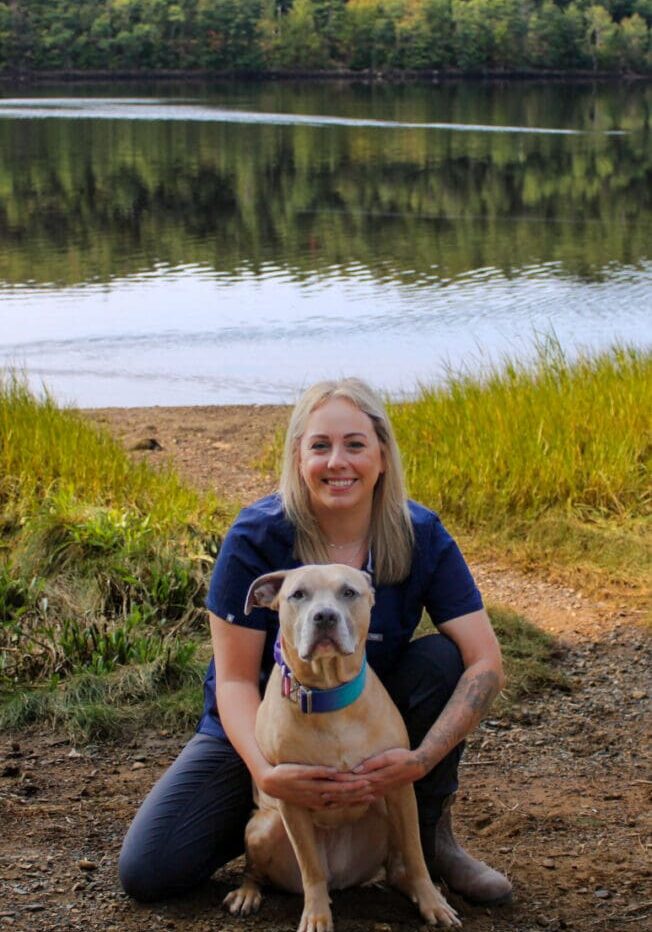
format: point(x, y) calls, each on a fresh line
point(340, 457)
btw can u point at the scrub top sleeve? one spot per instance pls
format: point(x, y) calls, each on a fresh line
point(451, 590)
point(238, 563)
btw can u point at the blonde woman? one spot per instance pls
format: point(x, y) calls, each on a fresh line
point(341, 500)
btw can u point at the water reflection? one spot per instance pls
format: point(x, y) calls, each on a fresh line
point(195, 255)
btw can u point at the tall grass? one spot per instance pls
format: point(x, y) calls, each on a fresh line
point(552, 457)
point(45, 449)
point(526, 438)
point(103, 562)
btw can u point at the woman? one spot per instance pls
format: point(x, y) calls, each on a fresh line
point(341, 500)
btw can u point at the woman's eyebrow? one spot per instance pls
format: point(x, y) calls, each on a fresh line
point(353, 433)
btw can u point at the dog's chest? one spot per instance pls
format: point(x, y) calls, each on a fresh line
point(318, 742)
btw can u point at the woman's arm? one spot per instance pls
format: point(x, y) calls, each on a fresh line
point(238, 653)
point(482, 680)
point(478, 686)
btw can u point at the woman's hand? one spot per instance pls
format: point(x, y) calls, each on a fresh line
point(314, 787)
point(390, 769)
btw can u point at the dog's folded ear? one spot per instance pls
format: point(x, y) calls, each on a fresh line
point(263, 591)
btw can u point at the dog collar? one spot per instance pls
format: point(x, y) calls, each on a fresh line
point(319, 700)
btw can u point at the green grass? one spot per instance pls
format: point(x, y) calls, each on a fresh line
point(528, 438)
point(103, 570)
point(529, 656)
point(47, 451)
point(165, 693)
point(547, 463)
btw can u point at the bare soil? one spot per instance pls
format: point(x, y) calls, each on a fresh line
point(557, 794)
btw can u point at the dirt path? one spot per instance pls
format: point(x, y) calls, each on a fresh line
point(558, 795)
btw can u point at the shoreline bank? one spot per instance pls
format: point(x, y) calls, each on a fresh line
point(392, 76)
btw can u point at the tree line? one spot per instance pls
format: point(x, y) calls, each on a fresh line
point(258, 36)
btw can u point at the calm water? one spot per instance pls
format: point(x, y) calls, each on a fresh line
point(195, 245)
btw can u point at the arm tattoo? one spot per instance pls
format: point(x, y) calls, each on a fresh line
point(481, 692)
point(472, 698)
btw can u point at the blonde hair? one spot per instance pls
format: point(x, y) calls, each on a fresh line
point(391, 536)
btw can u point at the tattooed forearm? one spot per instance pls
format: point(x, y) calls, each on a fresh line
point(481, 691)
point(472, 698)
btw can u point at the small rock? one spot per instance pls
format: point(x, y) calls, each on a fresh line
point(74, 753)
point(138, 765)
point(638, 694)
point(549, 863)
point(147, 443)
point(34, 907)
point(603, 894)
point(85, 865)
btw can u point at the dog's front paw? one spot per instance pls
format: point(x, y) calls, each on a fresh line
point(316, 920)
point(434, 908)
point(245, 900)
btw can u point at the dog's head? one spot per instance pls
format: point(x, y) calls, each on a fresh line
point(323, 611)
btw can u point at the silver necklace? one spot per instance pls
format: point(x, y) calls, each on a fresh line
point(353, 543)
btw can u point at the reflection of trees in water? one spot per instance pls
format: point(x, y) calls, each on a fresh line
point(86, 199)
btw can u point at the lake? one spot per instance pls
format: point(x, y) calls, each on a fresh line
point(194, 244)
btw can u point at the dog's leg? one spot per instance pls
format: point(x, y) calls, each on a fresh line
point(407, 867)
point(316, 915)
point(269, 855)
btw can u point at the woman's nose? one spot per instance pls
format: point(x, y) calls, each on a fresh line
point(337, 457)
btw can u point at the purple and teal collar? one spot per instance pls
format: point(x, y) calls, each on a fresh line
point(319, 700)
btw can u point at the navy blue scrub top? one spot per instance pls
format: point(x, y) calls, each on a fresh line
point(261, 540)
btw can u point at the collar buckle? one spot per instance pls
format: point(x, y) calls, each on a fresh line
point(305, 699)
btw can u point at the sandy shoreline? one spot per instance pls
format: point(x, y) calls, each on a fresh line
point(212, 446)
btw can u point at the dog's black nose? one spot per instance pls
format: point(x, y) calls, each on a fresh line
point(325, 619)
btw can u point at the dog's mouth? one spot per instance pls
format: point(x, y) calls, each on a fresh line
point(325, 646)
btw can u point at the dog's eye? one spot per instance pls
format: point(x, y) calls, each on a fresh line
point(349, 593)
point(298, 594)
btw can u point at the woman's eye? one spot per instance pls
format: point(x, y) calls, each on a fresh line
point(319, 446)
point(298, 594)
point(349, 593)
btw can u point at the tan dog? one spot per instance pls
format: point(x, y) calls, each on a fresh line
point(324, 616)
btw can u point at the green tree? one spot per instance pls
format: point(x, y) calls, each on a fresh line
point(472, 37)
point(229, 34)
point(370, 33)
point(300, 45)
point(554, 37)
point(601, 36)
point(634, 43)
point(424, 34)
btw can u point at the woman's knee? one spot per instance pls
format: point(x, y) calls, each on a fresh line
point(139, 877)
point(191, 822)
point(428, 671)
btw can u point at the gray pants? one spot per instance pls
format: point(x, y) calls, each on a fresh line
point(194, 818)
